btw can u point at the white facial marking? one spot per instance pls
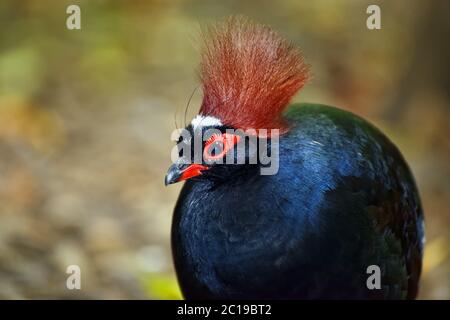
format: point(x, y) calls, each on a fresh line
point(205, 121)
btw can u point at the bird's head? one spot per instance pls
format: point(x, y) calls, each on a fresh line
point(249, 74)
point(202, 150)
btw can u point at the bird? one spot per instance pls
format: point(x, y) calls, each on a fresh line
point(343, 199)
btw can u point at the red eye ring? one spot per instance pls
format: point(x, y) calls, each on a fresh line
point(228, 140)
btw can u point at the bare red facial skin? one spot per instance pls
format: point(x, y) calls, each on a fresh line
point(192, 171)
point(227, 141)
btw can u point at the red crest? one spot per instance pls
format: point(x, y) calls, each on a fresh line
point(249, 74)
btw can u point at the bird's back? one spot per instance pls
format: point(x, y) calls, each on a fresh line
point(342, 200)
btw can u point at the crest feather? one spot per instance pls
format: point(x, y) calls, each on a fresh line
point(249, 74)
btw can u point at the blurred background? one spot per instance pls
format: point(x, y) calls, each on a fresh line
point(86, 117)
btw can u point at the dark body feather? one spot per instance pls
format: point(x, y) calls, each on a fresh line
point(343, 199)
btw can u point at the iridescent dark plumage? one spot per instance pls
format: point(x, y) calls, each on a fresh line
point(343, 199)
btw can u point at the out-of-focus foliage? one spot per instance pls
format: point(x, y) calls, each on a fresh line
point(86, 117)
point(162, 287)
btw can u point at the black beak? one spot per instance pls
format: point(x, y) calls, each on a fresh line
point(173, 174)
point(180, 171)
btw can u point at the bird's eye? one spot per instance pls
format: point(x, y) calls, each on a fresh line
point(218, 146)
point(215, 149)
